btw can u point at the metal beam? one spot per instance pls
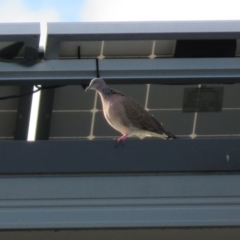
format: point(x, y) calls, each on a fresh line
point(136, 156)
point(119, 201)
point(171, 71)
point(120, 71)
point(11, 30)
point(48, 72)
point(23, 114)
point(149, 30)
point(229, 233)
point(44, 114)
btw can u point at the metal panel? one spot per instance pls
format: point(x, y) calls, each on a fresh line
point(115, 31)
point(119, 71)
point(238, 48)
point(145, 30)
point(110, 49)
point(8, 112)
point(67, 124)
point(118, 49)
point(164, 48)
point(69, 49)
point(11, 50)
point(77, 99)
point(45, 114)
point(205, 48)
point(127, 234)
point(23, 114)
point(100, 156)
point(29, 33)
point(108, 201)
point(19, 29)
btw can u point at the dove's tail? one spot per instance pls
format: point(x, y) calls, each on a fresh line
point(169, 135)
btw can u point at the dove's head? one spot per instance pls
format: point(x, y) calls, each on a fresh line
point(96, 84)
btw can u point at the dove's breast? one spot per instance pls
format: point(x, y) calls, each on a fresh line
point(115, 115)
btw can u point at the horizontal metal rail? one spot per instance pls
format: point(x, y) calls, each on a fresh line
point(123, 71)
point(149, 30)
point(136, 156)
point(119, 201)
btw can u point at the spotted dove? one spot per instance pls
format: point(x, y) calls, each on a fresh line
point(126, 115)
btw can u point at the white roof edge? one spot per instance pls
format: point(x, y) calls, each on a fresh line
point(32, 28)
point(144, 27)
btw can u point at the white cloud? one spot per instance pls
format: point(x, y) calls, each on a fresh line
point(17, 11)
point(156, 10)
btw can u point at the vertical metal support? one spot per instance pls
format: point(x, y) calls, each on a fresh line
point(23, 114)
point(24, 104)
point(97, 68)
point(45, 114)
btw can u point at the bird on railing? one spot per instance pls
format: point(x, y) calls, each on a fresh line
point(126, 115)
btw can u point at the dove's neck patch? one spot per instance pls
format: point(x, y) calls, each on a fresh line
point(108, 91)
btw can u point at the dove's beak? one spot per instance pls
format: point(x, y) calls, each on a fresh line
point(87, 88)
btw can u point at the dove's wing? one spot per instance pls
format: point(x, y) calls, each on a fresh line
point(141, 119)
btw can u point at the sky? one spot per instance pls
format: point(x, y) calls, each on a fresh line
point(117, 10)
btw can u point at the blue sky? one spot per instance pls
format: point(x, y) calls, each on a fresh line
point(67, 12)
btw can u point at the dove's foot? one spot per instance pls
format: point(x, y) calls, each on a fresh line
point(121, 139)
